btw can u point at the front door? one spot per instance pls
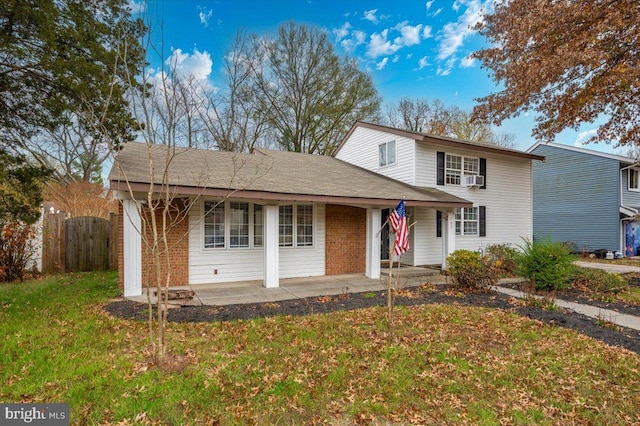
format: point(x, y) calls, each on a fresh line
point(384, 235)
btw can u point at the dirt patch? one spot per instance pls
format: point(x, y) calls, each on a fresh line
point(615, 336)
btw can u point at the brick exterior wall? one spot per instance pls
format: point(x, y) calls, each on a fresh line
point(345, 250)
point(178, 242)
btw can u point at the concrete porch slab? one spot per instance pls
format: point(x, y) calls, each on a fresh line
point(292, 288)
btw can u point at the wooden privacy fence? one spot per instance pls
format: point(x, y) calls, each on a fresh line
point(79, 244)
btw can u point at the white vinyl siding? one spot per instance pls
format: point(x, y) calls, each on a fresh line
point(362, 150)
point(244, 265)
point(508, 200)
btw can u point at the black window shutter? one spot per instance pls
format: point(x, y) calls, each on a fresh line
point(440, 168)
point(483, 172)
point(482, 213)
point(438, 224)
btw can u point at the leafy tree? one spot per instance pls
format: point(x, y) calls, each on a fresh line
point(310, 96)
point(434, 117)
point(571, 61)
point(20, 188)
point(63, 64)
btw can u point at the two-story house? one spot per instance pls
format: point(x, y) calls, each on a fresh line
point(496, 180)
point(586, 197)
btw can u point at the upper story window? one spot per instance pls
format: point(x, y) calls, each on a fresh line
point(634, 175)
point(457, 166)
point(387, 153)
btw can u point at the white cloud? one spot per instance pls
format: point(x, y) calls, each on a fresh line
point(410, 34)
point(383, 63)
point(467, 62)
point(454, 33)
point(136, 7)
point(446, 68)
point(380, 46)
point(437, 12)
point(395, 59)
point(357, 38)
point(423, 62)
point(582, 137)
point(342, 32)
point(205, 16)
point(428, 4)
point(370, 15)
point(198, 64)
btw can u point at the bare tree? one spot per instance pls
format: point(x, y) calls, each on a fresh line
point(309, 96)
point(435, 118)
point(420, 115)
point(232, 117)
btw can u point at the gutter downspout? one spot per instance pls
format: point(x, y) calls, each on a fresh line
point(635, 214)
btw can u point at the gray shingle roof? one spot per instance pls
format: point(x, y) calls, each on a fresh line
point(266, 173)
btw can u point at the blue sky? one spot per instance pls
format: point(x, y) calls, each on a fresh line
point(413, 48)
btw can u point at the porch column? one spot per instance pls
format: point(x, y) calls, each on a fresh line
point(132, 248)
point(271, 246)
point(372, 262)
point(449, 240)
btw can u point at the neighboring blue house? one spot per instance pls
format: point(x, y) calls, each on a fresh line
point(586, 197)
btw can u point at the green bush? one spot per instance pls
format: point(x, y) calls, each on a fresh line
point(546, 264)
point(504, 258)
point(596, 280)
point(470, 270)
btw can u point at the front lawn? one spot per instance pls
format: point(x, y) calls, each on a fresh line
point(448, 364)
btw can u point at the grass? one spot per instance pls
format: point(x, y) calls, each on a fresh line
point(448, 364)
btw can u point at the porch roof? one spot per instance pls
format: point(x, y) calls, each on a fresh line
point(266, 175)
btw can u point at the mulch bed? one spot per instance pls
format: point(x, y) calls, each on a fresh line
point(612, 335)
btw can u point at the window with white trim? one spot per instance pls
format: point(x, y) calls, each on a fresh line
point(634, 175)
point(387, 153)
point(296, 225)
point(241, 225)
point(286, 226)
point(467, 221)
point(258, 226)
point(457, 166)
point(304, 225)
point(214, 225)
point(238, 225)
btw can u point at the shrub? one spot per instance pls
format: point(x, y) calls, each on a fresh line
point(546, 264)
point(504, 258)
point(596, 280)
point(470, 270)
point(17, 249)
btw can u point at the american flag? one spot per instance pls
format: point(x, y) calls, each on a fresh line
point(398, 222)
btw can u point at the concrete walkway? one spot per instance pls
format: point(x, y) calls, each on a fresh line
point(609, 267)
point(597, 313)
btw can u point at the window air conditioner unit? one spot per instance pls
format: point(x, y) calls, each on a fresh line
point(474, 180)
